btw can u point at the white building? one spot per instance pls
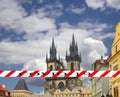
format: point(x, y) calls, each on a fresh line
point(100, 86)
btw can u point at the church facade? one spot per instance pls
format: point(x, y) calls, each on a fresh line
point(64, 87)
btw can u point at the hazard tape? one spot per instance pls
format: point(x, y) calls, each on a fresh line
point(59, 73)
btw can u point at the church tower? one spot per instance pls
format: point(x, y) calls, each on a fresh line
point(73, 59)
point(60, 86)
point(52, 62)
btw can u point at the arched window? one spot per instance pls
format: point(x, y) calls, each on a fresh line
point(72, 66)
point(51, 67)
point(61, 86)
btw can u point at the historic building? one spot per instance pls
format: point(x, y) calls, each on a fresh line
point(4, 92)
point(64, 87)
point(21, 90)
point(100, 86)
point(86, 92)
point(115, 62)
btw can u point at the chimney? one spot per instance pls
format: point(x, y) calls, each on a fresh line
point(102, 60)
point(3, 86)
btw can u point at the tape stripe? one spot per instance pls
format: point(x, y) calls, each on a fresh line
point(93, 73)
point(34, 73)
point(57, 74)
point(22, 73)
point(10, 73)
point(1, 71)
point(46, 73)
point(116, 74)
point(81, 73)
point(68, 74)
point(105, 73)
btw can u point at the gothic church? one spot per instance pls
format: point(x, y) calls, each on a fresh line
point(64, 87)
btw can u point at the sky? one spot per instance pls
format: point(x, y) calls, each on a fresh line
point(28, 26)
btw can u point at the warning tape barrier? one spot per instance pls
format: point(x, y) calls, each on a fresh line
point(59, 73)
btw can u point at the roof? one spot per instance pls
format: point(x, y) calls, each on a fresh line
point(100, 62)
point(21, 85)
point(2, 88)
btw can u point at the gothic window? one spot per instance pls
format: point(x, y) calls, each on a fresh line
point(61, 86)
point(72, 66)
point(51, 67)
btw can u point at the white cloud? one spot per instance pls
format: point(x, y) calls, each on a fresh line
point(54, 10)
point(13, 16)
point(102, 4)
point(37, 64)
point(11, 12)
point(35, 24)
point(113, 3)
point(76, 10)
point(95, 4)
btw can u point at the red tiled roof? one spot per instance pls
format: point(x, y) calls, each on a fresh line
point(100, 62)
point(2, 88)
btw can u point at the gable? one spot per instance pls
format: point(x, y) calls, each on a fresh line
point(117, 34)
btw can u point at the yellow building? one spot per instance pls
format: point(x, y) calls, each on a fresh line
point(67, 93)
point(86, 92)
point(115, 61)
point(21, 90)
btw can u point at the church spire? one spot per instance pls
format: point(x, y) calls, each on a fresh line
point(73, 40)
point(53, 43)
point(73, 50)
point(52, 52)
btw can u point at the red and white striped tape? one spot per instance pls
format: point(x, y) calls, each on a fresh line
point(59, 73)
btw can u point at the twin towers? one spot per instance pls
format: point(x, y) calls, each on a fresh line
point(73, 59)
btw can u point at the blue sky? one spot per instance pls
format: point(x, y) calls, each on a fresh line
point(27, 28)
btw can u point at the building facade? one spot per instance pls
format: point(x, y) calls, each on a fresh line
point(21, 90)
point(64, 87)
point(86, 92)
point(100, 86)
point(115, 62)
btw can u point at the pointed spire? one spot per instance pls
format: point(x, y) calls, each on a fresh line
point(53, 43)
point(66, 53)
point(59, 58)
point(52, 51)
point(73, 51)
point(73, 40)
point(76, 47)
point(46, 57)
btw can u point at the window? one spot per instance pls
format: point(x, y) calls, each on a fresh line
point(51, 67)
point(116, 92)
point(116, 48)
point(61, 86)
point(72, 66)
point(115, 67)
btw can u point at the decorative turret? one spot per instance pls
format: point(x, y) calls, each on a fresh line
point(73, 50)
